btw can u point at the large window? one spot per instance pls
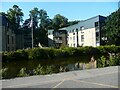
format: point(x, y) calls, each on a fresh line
point(82, 38)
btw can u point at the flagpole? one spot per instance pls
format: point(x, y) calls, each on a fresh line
point(32, 32)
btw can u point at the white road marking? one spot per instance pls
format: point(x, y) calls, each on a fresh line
point(95, 83)
point(31, 84)
point(58, 84)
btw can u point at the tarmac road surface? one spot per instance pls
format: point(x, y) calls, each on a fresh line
point(92, 78)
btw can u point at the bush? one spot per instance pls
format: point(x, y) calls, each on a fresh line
point(17, 55)
point(42, 70)
point(22, 73)
point(101, 62)
point(114, 60)
point(51, 53)
point(3, 73)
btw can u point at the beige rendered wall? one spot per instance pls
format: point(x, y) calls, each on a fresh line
point(89, 37)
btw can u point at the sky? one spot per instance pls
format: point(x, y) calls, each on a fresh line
point(71, 10)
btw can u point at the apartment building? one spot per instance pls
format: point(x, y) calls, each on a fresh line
point(57, 38)
point(12, 39)
point(84, 33)
point(7, 38)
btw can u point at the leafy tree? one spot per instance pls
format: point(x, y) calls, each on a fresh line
point(111, 30)
point(72, 22)
point(34, 16)
point(59, 21)
point(2, 13)
point(40, 18)
point(15, 15)
point(26, 23)
point(44, 20)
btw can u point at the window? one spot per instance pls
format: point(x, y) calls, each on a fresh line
point(74, 45)
point(97, 34)
point(73, 37)
point(12, 40)
point(82, 38)
point(61, 32)
point(96, 24)
point(82, 27)
point(82, 31)
point(60, 38)
point(68, 38)
point(12, 48)
point(73, 30)
point(76, 30)
point(8, 38)
point(7, 24)
point(8, 49)
point(82, 44)
point(73, 33)
point(56, 33)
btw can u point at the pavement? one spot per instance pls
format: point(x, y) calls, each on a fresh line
point(91, 78)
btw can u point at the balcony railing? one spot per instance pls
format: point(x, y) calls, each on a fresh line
point(58, 41)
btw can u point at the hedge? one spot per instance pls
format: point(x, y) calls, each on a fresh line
point(51, 53)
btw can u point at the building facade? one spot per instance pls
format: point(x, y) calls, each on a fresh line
point(7, 35)
point(12, 39)
point(84, 33)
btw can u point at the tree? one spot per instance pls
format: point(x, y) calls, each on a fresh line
point(72, 22)
point(34, 15)
point(15, 15)
point(2, 13)
point(44, 20)
point(111, 30)
point(59, 21)
point(41, 23)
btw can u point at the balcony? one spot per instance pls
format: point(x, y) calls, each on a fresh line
point(97, 39)
point(58, 41)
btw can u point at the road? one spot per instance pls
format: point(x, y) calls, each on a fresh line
point(92, 78)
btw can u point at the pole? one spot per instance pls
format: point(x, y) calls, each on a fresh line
point(32, 31)
point(32, 37)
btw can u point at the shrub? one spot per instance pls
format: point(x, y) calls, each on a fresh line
point(114, 60)
point(101, 62)
point(22, 73)
point(51, 53)
point(42, 70)
point(16, 55)
point(3, 73)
